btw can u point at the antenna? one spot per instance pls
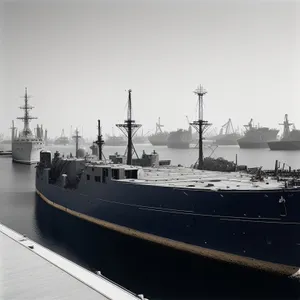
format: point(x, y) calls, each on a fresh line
point(200, 125)
point(129, 129)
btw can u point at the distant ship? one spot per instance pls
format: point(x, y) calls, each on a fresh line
point(290, 139)
point(227, 135)
point(62, 140)
point(180, 139)
point(27, 146)
point(159, 138)
point(81, 141)
point(72, 138)
point(257, 137)
point(113, 140)
point(5, 141)
point(140, 139)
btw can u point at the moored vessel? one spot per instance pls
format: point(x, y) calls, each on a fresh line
point(159, 138)
point(251, 220)
point(140, 139)
point(290, 139)
point(115, 141)
point(63, 140)
point(227, 136)
point(26, 146)
point(257, 137)
point(180, 139)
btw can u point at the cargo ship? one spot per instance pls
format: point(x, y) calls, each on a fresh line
point(290, 139)
point(227, 136)
point(257, 137)
point(140, 138)
point(180, 139)
point(63, 140)
point(159, 138)
point(188, 209)
point(113, 140)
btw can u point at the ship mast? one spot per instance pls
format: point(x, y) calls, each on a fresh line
point(129, 129)
point(26, 119)
point(100, 141)
point(286, 126)
point(76, 137)
point(200, 125)
point(158, 126)
point(13, 131)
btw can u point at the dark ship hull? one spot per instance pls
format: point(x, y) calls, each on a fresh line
point(227, 140)
point(180, 139)
point(158, 143)
point(259, 232)
point(158, 140)
point(257, 140)
point(252, 145)
point(284, 145)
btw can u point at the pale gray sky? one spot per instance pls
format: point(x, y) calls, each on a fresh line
point(77, 60)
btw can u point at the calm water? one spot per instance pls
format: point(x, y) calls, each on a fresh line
point(142, 267)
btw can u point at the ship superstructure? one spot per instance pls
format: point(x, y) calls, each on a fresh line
point(26, 146)
point(290, 138)
point(251, 220)
point(257, 137)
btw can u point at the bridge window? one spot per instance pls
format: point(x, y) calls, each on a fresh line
point(88, 176)
point(97, 178)
point(115, 174)
point(105, 174)
point(132, 174)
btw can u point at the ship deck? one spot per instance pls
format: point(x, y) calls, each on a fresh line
point(30, 271)
point(182, 177)
point(193, 179)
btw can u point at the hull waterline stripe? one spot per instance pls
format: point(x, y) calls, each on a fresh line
point(214, 254)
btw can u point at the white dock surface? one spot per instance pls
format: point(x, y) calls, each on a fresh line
point(39, 273)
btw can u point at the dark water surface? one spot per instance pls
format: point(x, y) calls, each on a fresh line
point(142, 267)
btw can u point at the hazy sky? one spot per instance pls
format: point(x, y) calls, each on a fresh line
point(77, 60)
